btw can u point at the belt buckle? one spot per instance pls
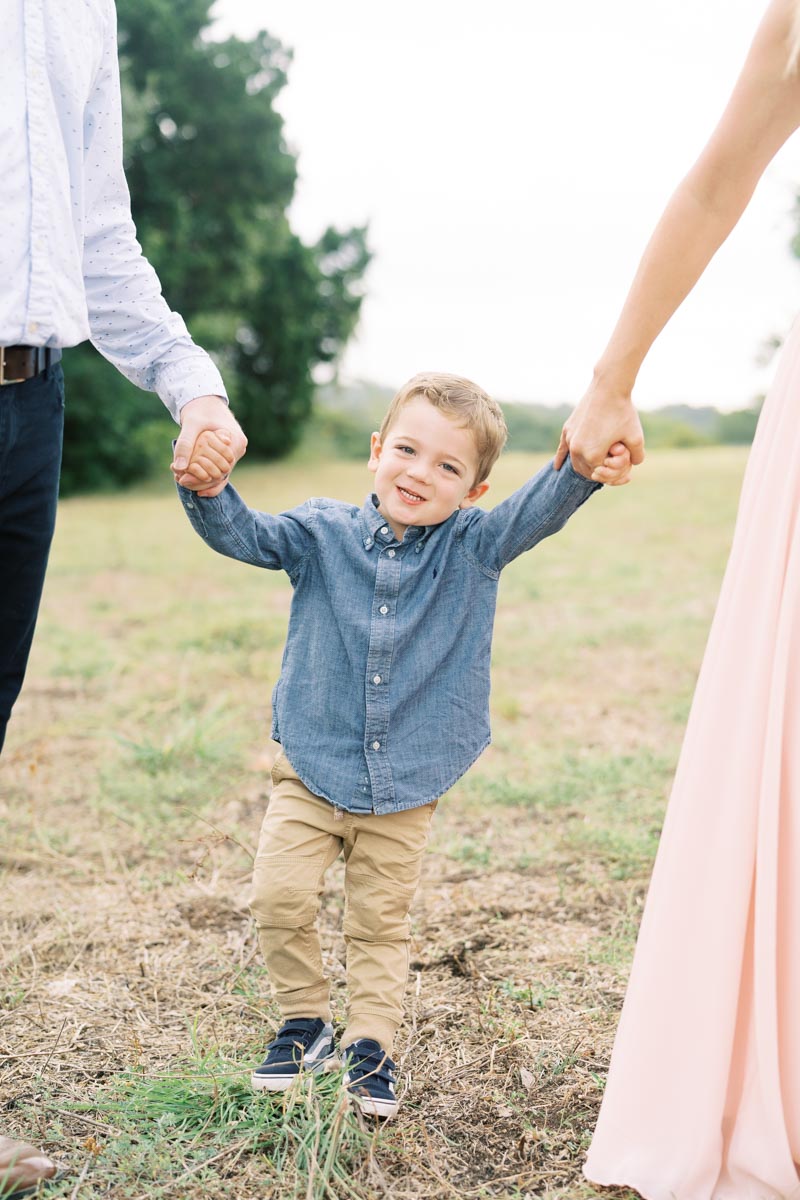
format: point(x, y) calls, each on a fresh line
point(3, 380)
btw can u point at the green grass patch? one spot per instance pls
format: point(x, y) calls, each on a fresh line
point(171, 1134)
point(607, 806)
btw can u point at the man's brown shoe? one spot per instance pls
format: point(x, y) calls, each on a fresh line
point(22, 1166)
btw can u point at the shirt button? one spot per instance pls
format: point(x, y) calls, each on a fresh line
point(385, 529)
point(390, 553)
point(33, 325)
point(189, 504)
point(376, 678)
point(383, 609)
point(376, 745)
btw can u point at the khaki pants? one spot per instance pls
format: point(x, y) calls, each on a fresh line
point(300, 837)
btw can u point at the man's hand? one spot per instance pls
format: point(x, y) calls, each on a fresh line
point(207, 478)
point(602, 418)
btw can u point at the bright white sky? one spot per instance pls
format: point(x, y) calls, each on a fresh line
point(511, 160)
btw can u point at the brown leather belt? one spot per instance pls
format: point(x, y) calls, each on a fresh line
point(18, 363)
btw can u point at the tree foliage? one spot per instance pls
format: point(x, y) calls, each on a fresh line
point(211, 178)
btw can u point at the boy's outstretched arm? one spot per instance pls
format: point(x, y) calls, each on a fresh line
point(223, 520)
point(538, 509)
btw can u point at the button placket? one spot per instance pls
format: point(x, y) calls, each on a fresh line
point(362, 790)
point(379, 657)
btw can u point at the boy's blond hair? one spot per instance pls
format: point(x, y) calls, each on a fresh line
point(469, 405)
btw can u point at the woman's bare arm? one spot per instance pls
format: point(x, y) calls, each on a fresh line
point(763, 110)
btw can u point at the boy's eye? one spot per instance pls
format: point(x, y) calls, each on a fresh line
point(450, 467)
point(405, 449)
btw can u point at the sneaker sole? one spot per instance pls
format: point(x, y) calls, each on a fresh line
point(374, 1108)
point(282, 1083)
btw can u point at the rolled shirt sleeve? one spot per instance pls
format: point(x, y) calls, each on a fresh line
point(131, 323)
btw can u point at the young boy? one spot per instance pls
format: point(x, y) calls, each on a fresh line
point(383, 700)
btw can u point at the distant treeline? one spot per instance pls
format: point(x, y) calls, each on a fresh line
point(344, 417)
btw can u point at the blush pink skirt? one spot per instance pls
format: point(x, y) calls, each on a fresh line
point(703, 1094)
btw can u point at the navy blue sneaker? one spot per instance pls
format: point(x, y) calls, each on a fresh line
point(301, 1045)
point(370, 1078)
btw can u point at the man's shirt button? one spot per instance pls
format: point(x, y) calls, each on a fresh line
point(385, 529)
point(390, 553)
point(376, 745)
point(383, 609)
point(376, 678)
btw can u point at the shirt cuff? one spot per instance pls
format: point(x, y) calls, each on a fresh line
point(179, 383)
point(579, 481)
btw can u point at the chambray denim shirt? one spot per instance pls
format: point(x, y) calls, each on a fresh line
point(383, 697)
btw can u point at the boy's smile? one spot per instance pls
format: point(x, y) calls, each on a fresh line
point(426, 468)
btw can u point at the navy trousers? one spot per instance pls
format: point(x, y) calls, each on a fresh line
point(31, 438)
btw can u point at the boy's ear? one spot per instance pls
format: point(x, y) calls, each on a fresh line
point(474, 494)
point(375, 448)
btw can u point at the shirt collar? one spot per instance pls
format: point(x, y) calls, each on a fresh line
point(375, 527)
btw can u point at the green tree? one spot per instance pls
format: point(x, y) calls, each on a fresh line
point(304, 309)
point(737, 428)
point(211, 179)
point(663, 431)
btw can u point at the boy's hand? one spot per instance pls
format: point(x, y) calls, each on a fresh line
point(617, 467)
point(211, 463)
point(205, 412)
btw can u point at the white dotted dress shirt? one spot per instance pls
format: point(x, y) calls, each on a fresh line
point(70, 265)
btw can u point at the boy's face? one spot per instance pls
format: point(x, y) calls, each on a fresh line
point(425, 469)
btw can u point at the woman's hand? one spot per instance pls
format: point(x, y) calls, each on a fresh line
point(604, 416)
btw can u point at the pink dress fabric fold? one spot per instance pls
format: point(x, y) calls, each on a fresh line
point(703, 1094)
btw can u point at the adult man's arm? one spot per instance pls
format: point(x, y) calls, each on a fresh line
point(131, 323)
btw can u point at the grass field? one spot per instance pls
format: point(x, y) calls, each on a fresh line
point(132, 999)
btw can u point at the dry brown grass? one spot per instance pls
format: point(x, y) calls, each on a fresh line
point(134, 782)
